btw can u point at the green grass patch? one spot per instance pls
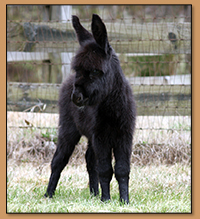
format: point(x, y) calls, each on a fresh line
point(152, 189)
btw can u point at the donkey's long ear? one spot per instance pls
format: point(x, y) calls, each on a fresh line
point(99, 32)
point(82, 34)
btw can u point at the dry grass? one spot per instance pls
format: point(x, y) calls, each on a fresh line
point(157, 140)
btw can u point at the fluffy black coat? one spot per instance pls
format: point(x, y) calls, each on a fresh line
point(97, 102)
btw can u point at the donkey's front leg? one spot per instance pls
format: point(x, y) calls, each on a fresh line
point(105, 175)
point(92, 170)
point(103, 154)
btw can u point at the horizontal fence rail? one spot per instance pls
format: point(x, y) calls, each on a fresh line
point(160, 99)
point(125, 36)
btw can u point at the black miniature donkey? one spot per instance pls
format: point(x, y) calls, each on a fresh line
point(97, 102)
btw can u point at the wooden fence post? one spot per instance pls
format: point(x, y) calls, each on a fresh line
point(52, 13)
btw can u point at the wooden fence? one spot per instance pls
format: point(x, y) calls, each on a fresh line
point(51, 45)
point(170, 96)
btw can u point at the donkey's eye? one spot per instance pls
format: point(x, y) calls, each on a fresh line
point(95, 72)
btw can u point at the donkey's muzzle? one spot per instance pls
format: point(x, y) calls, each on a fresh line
point(78, 99)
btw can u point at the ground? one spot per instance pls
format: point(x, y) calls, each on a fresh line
point(152, 189)
point(160, 178)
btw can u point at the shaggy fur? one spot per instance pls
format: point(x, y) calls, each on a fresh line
point(97, 102)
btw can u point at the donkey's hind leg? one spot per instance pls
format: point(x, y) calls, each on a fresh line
point(92, 170)
point(66, 144)
point(122, 170)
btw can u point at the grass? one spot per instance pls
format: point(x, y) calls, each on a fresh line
point(160, 179)
point(152, 189)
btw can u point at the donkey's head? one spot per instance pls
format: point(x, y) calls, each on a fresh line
point(91, 64)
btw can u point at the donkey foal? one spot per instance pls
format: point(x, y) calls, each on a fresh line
point(97, 102)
